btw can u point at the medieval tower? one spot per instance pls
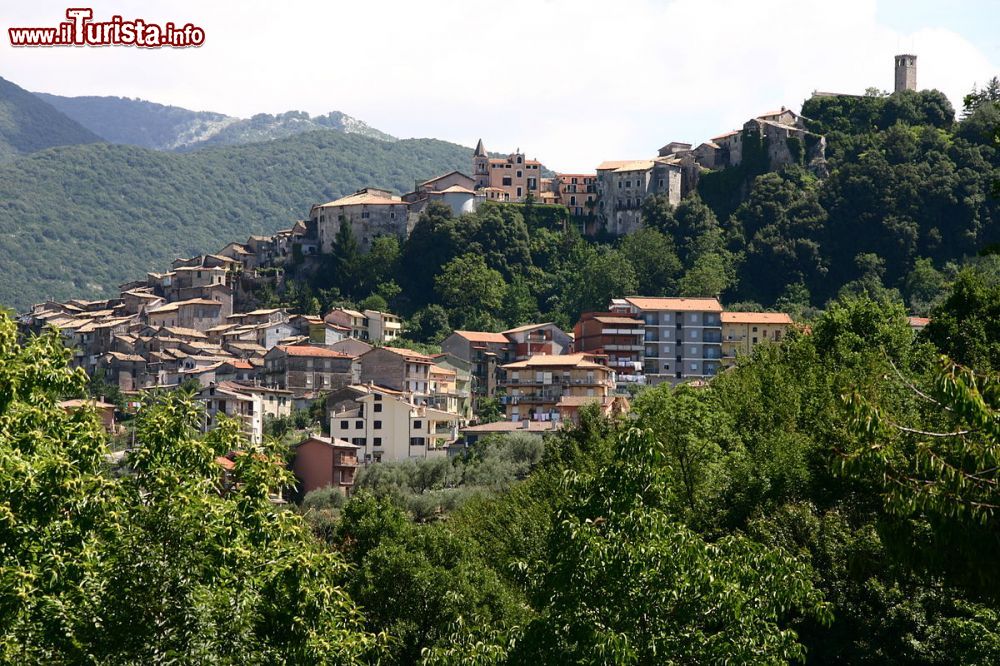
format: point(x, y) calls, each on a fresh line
point(906, 72)
point(481, 166)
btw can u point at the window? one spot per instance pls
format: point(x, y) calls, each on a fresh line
point(755, 339)
point(417, 425)
point(520, 174)
point(344, 425)
point(694, 334)
point(754, 329)
point(377, 441)
point(365, 215)
point(358, 441)
point(392, 215)
point(377, 425)
point(378, 408)
point(694, 366)
point(416, 441)
point(378, 397)
point(507, 181)
point(693, 317)
point(359, 424)
point(693, 351)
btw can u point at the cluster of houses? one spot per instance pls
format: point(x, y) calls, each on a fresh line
point(383, 402)
point(610, 198)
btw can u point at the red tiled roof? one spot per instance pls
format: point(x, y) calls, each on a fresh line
point(482, 336)
point(307, 350)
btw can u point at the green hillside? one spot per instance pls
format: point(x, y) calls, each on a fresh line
point(78, 220)
point(28, 123)
point(150, 125)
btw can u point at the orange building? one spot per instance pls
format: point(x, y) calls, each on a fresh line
point(510, 178)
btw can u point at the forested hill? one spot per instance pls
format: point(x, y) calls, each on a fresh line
point(150, 125)
point(910, 190)
point(78, 220)
point(28, 123)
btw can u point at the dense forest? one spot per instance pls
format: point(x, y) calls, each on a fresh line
point(79, 220)
point(831, 499)
point(911, 197)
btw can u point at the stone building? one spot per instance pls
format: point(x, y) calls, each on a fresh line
point(302, 369)
point(371, 212)
point(906, 72)
point(623, 186)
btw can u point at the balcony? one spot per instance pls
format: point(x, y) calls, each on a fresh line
point(711, 336)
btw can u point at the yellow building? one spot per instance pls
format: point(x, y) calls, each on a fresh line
point(742, 331)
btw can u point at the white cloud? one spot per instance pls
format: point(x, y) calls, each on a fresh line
point(571, 82)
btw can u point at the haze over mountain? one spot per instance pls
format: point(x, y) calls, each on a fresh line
point(160, 127)
point(28, 123)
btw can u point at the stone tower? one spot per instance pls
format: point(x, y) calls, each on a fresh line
point(481, 166)
point(906, 72)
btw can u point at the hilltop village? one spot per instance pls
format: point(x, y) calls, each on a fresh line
point(382, 402)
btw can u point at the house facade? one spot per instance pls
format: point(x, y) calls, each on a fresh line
point(620, 338)
point(371, 212)
point(742, 331)
point(303, 368)
point(682, 336)
point(541, 388)
point(324, 462)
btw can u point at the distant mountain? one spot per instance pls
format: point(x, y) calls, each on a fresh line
point(28, 123)
point(149, 125)
point(76, 221)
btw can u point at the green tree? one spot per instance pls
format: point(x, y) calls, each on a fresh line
point(470, 289)
point(654, 259)
point(346, 259)
point(626, 583)
point(157, 564)
point(709, 276)
point(966, 326)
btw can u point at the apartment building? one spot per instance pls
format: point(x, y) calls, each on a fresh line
point(399, 369)
point(620, 338)
point(531, 339)
point(382, 326)
point(682, 338)
point(229, 401)
point(198, 313)
point(513, 177)
point(369, 325)
point(390, 426)
point(304, 368)
point(742, 331)
point(484, 351)
point(551, 388)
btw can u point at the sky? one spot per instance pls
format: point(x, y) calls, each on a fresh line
point(569, 82)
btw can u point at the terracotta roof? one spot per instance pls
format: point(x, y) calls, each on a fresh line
point(225, 463)
point(611, 164)
point(677, 304)
point(455, 189)
point(365, 199)
point(726, 135)
point(169, 307)
point(919, 321)
point(307, 350)
point(482, 336)
point(77, 403)
point(555, 360)
point(756, 318)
